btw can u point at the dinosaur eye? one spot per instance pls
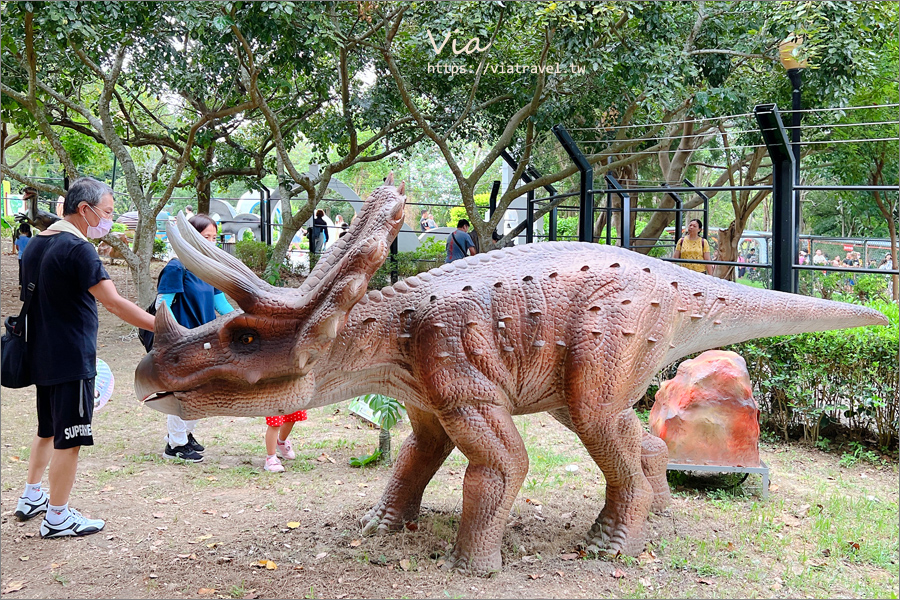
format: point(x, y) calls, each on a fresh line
point(245, 341)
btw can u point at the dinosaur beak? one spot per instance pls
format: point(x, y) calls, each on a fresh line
point(150, 390)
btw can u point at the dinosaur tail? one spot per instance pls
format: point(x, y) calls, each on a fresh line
point(747, 315)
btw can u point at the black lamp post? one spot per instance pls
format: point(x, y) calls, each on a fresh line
point(794, 68)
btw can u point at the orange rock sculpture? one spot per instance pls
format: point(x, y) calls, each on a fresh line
point(707, 414)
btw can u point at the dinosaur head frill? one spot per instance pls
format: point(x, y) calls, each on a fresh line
point(259, 361)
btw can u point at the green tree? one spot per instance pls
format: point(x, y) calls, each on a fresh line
point(108, 71)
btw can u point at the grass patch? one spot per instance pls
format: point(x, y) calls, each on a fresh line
point(233, 477)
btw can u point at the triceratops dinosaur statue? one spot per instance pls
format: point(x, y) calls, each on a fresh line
point(574, 329)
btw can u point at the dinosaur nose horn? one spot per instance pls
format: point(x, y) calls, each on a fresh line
point(166, 328)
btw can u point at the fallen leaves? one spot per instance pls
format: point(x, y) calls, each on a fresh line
point(791, 520)
point(265, 563)
point(13, 586)
point(405, 564)
point(321, 555)
point(163, 500)
point(324, 458)
point(618, 573)
point(355, 543)
point(705, 581)
point(569, 556)
point(410, 525)
point(293, 524)
point(202, 538)
point(158, 515)
point(853, 545)
point(206, 591)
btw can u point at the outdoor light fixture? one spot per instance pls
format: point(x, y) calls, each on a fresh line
point(787, 52)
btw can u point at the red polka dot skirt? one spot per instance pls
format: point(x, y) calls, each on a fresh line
point(279, 420)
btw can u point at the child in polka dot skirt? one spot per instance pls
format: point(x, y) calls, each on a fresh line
point(280, 427)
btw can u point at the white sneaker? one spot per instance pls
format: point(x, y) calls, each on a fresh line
point(286, 450)
point(75, 524)
point(273, 465)
point(27, 509)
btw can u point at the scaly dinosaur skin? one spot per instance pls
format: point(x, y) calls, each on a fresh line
point(574, 329)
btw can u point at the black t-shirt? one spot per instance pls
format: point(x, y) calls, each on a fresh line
point(62, 321)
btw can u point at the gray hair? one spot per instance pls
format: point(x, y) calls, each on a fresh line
point(85, 189)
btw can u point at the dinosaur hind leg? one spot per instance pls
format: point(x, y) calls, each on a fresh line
point(654, 459)
point(498, 463)
point(422, 454)
point(614, 442)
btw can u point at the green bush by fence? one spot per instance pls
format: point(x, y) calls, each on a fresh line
point(430, 254)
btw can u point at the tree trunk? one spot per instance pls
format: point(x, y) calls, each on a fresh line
point(384, 445)
point(139, 261)
point(728, 250)
point(204, 194)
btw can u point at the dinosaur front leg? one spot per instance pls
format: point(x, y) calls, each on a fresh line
point(654, 460)
point(615, 445)
point(498, 463)
point(421, 455)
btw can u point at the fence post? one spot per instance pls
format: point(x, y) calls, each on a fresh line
point(395, 248)
point(625, 221)
point(586, 172)
point(784, 226)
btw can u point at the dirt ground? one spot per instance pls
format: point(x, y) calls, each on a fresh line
point(227, 529)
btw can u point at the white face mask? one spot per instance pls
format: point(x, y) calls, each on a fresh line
point(101, 229)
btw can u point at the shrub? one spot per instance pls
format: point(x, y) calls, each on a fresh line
point(254, 254)
point(429, 255)
point(160, 249)
point(871, 287)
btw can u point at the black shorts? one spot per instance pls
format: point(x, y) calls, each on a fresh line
point(65, 412)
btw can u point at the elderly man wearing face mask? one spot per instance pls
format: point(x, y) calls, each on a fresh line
point(62, 325)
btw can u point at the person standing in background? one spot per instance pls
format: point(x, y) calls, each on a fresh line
point(694, 247)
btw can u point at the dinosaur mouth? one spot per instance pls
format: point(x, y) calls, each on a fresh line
point(164, 402)
point(151, 391)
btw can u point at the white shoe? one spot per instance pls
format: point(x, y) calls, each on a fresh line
point(286, 450)
point(75, 524)
point(273, 465)
point(27, 509)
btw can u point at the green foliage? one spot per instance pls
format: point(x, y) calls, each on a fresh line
point(812, 381)
point(429, 255)
point(387, 410)
point(119, 228)
point(567, 228)
point(871, 287)
point(364, 461)
point(160, 249)
point(254, 254)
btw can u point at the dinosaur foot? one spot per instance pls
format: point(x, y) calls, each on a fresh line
point(483, 565)
point(382, 519)
point(662, 497)
point(611, 534)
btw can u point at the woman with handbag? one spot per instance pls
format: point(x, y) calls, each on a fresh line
point(62, 279)
point(193, 302)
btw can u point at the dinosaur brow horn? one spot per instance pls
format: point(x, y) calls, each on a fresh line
point(208, 263)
